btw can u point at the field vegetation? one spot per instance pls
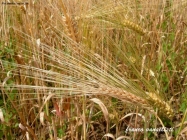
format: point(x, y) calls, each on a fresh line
point(90, 69)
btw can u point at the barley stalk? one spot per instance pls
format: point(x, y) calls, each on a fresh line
point(79, 86)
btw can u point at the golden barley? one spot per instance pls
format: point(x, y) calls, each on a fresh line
point(135, 27)
point(163, 107)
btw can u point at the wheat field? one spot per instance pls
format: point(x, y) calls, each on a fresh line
point(90, 70)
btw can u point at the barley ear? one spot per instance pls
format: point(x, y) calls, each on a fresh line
point(164, 108)
point(124, 96)
point(135, 27)
point(70, 25)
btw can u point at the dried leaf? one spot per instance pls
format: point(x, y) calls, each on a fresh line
point(123, 138)
point(42, 118)
point(38, 42)
point(103, 108)
point(57, 110)
point(109, 135)
point(22, 127)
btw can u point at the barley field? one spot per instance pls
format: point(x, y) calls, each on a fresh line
point(93, 70)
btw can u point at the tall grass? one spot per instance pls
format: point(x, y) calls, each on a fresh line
point(93, 69)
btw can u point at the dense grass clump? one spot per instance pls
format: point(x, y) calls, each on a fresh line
point(93, 69)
